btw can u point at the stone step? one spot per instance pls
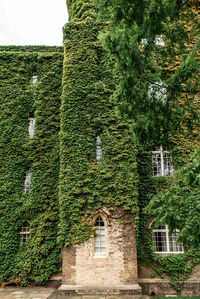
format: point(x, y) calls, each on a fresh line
point(57, 295)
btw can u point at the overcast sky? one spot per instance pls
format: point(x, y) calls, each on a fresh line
point(32, 22)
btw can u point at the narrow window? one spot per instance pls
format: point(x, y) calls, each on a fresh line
point(162, 163)
point(99, 238)
point(31, 127)
point(157, 92)
point(34, 78)
point(24, 235)
point(27, 182)
point(165, 243)
point(99, 152)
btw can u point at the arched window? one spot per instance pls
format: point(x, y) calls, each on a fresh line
point(99, 237)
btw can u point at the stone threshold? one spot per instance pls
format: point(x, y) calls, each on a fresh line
point(132, 291)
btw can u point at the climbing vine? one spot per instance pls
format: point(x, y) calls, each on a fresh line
point(67, 183)
point(20, 100)
point(86, 113)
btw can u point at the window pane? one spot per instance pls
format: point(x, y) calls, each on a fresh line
point(34, 78)
point(160, 241)
point(173, 246)
point(157, 91)
point(99, 151)
point(164, 242)
point(161, 160)
point(24, 234)
point(31, 127)
point(99, 239)
point(157, 170)
point(27, 183)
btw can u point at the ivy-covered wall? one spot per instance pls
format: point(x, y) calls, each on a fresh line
point(20, 99)
point(124, 177)
point(86, 112)
point(59, 207)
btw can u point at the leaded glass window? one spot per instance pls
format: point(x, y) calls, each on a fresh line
point(99, 238)
point(165, 243)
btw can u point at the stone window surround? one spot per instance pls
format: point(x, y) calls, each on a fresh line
point(104, 217)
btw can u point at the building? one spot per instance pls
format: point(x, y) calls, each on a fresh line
point(74, 176)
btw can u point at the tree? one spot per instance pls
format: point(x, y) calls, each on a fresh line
point(179, 206)
point(141, 63)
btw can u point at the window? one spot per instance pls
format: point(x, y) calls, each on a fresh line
point(27, 182)
point(34, 78)
point(157, 91)
point(99, 238)
point(162, 164)
point(159, 41)
point(165, 243)
point(24, 235)
point(99, 152)
point(31, 127)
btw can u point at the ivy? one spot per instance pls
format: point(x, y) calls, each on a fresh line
point(20, 99)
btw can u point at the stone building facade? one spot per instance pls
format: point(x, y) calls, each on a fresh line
point(78, 179)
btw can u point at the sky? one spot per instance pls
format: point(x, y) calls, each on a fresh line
point(32, 22)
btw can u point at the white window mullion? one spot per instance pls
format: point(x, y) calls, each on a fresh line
point(167, 238)
point(162, 161)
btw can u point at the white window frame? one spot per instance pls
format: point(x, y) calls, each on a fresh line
point(27, 182)
point(24, 234)
point(166, 165)
point(31, 127)
point(169, 242)
point(99, 238)
point(99, 152)
point(34, 78)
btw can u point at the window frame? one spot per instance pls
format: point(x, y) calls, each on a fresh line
point(99, 152)
point(157, 92)
point(104, 253)
point(170, 167)
point(24, 235)
point(34, 78)
point(169, 243)
point(27, 182)
point(31, 127)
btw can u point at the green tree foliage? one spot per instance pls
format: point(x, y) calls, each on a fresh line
point(133, 38)
point(179, 206)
